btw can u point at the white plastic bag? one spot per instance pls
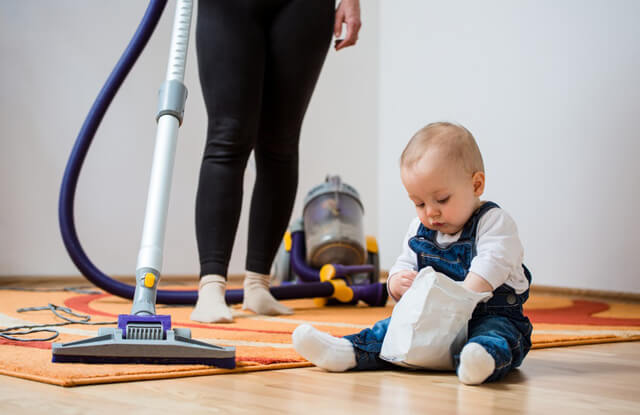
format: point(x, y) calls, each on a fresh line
point(429, 323)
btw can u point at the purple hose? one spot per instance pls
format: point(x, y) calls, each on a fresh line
point(309, 274)
point(298, 263)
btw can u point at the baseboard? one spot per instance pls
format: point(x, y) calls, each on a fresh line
point(583, 292)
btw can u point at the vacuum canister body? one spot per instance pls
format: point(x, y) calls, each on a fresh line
point(333, 224)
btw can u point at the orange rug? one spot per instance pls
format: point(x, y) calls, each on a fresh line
point(264, 343)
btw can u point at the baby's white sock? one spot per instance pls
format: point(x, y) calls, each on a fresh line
point(334, 354)
point(476, 364)
point(258, 298)
point(211, 306)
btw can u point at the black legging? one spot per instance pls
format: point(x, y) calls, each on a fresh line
point(259, 61)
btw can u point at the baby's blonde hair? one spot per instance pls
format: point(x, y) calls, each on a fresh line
point(456, 141)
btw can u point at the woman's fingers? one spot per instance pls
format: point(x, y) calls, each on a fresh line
point(348, 12)
point(337, 25)
point(352, 35)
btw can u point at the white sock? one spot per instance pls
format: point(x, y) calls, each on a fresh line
point(211, 306)
point(258, 298)
point(334, 354)
point(476, 364)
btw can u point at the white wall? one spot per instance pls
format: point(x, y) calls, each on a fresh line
point(55, 58)
point(551, 90)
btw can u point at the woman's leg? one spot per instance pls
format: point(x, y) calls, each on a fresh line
point(298, 40)
point(230, 43)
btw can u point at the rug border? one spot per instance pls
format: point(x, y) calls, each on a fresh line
point(83, 381)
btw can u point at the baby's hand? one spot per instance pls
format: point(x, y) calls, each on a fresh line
point(400, 282)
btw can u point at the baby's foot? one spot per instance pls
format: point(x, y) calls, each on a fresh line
point(211, 306)
point(334, 354)
point(476, 364)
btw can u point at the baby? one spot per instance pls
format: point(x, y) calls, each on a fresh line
point(469, 240)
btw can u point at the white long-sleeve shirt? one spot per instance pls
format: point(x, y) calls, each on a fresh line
point(499, 251)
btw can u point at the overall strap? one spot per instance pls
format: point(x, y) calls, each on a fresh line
point(426, 233)
point(470, 228)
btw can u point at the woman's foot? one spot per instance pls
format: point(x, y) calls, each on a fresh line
point(211, 306)
point(476, 364)
point(258, 298)
point(334, 354)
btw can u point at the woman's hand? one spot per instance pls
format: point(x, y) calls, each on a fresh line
point(400, 282)
point(348, 12)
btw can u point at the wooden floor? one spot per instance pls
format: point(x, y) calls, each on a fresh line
point(583, 380)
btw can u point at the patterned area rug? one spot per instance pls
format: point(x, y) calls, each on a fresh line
point(264, 343)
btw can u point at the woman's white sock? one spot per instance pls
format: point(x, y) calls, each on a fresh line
point(476, 364)
point(211, 306)
point(258, 298)
point(334, 354)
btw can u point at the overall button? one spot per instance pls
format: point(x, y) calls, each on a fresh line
point(511, 299)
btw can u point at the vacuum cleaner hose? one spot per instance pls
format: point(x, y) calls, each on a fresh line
point(81, 147)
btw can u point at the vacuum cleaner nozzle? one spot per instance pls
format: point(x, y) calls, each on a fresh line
point(144, 339)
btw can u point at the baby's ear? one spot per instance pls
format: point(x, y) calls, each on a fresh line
point(478, 183)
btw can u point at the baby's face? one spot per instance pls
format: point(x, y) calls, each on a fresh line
point(445, 194)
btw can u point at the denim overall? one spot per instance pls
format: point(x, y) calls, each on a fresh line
point(498, 325)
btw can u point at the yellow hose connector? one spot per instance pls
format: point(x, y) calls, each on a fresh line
point(372, 244)
point(341, 291)
point(327, 272)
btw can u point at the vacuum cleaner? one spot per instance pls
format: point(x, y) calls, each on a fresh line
point(328, 244)
point(143, 336)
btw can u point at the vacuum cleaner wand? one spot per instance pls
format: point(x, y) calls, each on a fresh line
point(143, 336)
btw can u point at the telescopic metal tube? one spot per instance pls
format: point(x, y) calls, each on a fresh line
point(150, 256)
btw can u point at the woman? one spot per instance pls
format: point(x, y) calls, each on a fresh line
point(259, 61)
